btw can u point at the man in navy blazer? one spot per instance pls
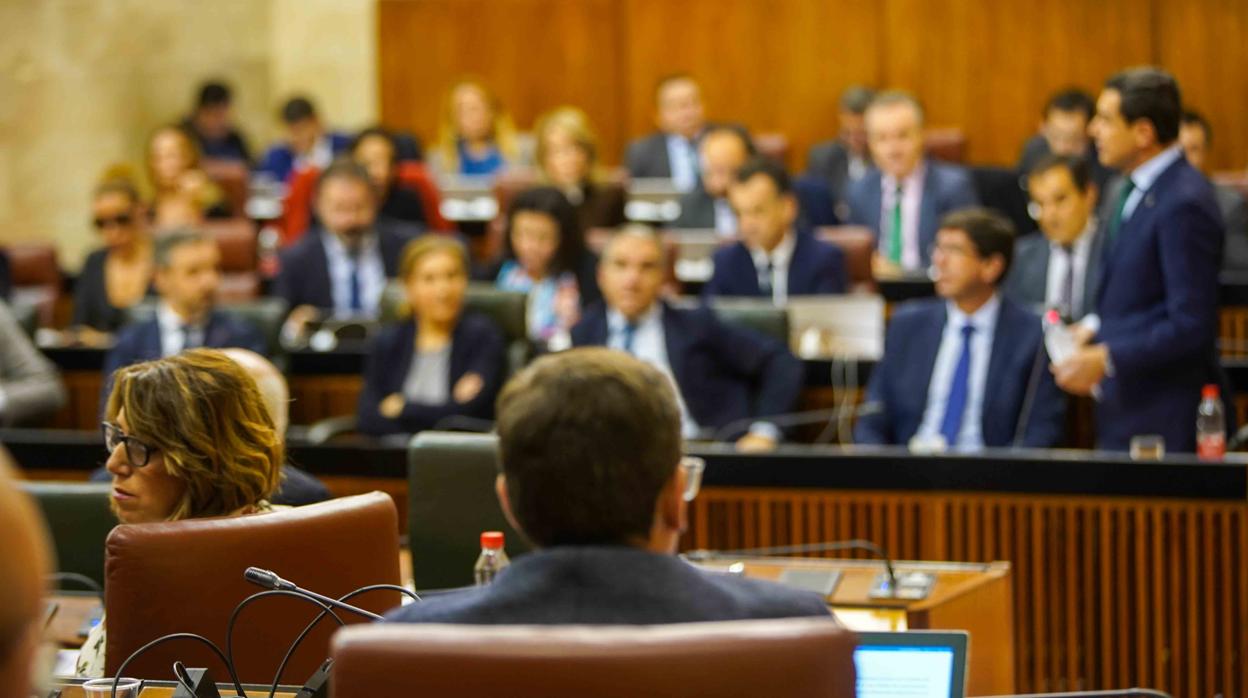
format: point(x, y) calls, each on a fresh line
point(965, 371)
point(187, 275)
point(592, 475)
point(340, 268)
point(772, 259)
point(724, 375)
point(903, 200)
point(1158, 297)
point(308, 145)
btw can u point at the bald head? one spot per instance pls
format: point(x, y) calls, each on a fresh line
point(269, 380)
point(26, 563)
point(723, 152)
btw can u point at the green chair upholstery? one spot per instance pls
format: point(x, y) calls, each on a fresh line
point(79, 520)
point(267, 314)
point(451, 501)
point(507, 309)
point(754, 314)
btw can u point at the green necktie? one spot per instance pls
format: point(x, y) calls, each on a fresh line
point(1115, 223)
point(894, 235)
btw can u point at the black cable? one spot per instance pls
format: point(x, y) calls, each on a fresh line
point(299, 640)
point(184, 678)
point(121, 670)
point(229, 628)
point(58, 577)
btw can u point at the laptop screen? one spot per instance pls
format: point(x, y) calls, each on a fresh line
point(911, 665)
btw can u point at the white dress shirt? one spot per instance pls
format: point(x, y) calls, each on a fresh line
point(1060, 262)
point(172, 339)
point(911, 210)
point(780, 258)
point(725, 219)
point(650, 345)
point(1145, 175)
point(970, 436)
point(682, 158)
point(372, 274)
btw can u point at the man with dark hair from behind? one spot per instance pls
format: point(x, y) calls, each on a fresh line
point(1158, 301)
point(1196, 137)
point(957, 370)
point(212, 126)
point(307, 143)
point(27, 559)
point(845, 159)
point(592, 475)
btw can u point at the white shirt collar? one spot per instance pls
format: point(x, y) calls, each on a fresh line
point(169, 320)
point(984, 319)
point(1145, 175)
point(913, 179)
point(335, 246)
point(616, 320)
point(1081, 242)
point(779, 256)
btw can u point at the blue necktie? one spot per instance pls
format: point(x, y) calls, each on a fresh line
point(955, 405)
point(765, 273)
point(357, 304)
point(630, 333)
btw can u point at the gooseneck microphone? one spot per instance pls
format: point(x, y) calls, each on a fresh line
point(854, 544)
point(270, 580)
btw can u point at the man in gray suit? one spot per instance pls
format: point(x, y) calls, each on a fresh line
point(1196, 136)
point(592, 474)
point(29, 385)
point(847, 158)
point(1059, 269)
point(723, 152)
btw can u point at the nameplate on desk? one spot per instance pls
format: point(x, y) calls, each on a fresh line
point(820, 581)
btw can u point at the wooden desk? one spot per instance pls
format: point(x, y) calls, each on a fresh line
point(72, 611)
point(165, 689)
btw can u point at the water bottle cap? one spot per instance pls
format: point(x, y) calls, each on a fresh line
point(1209, 392)
point(1051, 317)
point(492, 539)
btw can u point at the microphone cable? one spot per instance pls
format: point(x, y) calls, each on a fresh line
point(121, 670)
point(229, 628)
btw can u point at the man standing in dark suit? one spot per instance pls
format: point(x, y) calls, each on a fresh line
point(846, 159)
point(340, 268)
point(724, 375)
point(592, 475)
point(964, 371)
point(1059, 269)
point(1196, 136)
point(722, 152)
point(1158, 298)
point(187, 275)
point(904, 199)
point(772, 259)
point(1064, 131)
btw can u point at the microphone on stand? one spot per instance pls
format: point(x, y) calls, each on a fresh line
point(269, 580)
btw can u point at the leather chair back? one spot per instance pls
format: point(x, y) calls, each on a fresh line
point(79, 520)
point(792, 657)
point(236, 239)
point(233, 178)
point(187, 576)
point(948, 144)
point(35, 276)
point(857, 244)
point(451, 501)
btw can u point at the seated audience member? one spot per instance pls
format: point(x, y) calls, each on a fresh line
point(340, 267)
point(904, 199)
point(724, 375)
point(476, 136)
point(27, 562)
point(567, 157)
point(847, 158)
point(307, 143)
point(1064, 131)
point(1059, 269)
point(722, 152)
point(544, 256)
point(188, 437)
point(30, 386)
point(1196, 137)
point(772, 259)
point(119, 274)
point(957, 369)
point(212, 126)
point(592, 475)
point(441, 362)
point(178, 182)
point(187, 275)
point(375, 151)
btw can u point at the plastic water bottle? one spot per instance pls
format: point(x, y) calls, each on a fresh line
point(1210, 425)
point(493, 558)
point(1059, 341)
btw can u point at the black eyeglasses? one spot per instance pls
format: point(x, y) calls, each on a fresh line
point(137, 452)
point(121, 219)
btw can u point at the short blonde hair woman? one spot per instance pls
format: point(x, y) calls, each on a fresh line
point(567, 159)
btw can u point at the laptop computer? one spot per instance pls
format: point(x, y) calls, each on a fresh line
point(913, 664)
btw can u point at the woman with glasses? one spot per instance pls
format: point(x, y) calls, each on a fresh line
point(119, 274)
point(188, 437)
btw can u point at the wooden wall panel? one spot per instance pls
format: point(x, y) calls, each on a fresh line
point(778, 65)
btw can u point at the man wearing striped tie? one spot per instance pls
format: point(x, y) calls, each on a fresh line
point(964, 371)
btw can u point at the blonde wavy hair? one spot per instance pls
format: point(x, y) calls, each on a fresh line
point(205, 196)
point(575, 122)
point(206, 416)
point(503, 132)
point(421, 248)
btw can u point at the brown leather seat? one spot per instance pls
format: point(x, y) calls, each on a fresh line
point(236, 239)
point(35, 276)
point(1235, 179)
point(187, 576)
point(857, 243)
point(948, 144)
point(792, 657)
point(233, 178)
point(772, 145)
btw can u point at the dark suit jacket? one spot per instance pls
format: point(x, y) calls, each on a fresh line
point(900, 381)
point(602, 206)
point(1029, 273)
point(829, 160)
point(304, 275)
point(1235, 217)
point(91, 306)
point(945, 188)
point(724, 373)
point(815, 268)
point(1036, 148)
point(697, 210)
point(604, 585)
point(1158, 303)
point(477, 346)
point(141, 342)
point(647, 156)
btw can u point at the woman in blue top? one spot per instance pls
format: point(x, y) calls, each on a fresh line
point(476, 137)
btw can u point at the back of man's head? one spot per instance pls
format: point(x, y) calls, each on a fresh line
point(588, 440)
point(26, 562)
point(269, 380)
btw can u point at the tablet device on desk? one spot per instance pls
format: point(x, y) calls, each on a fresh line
point(913, 664)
